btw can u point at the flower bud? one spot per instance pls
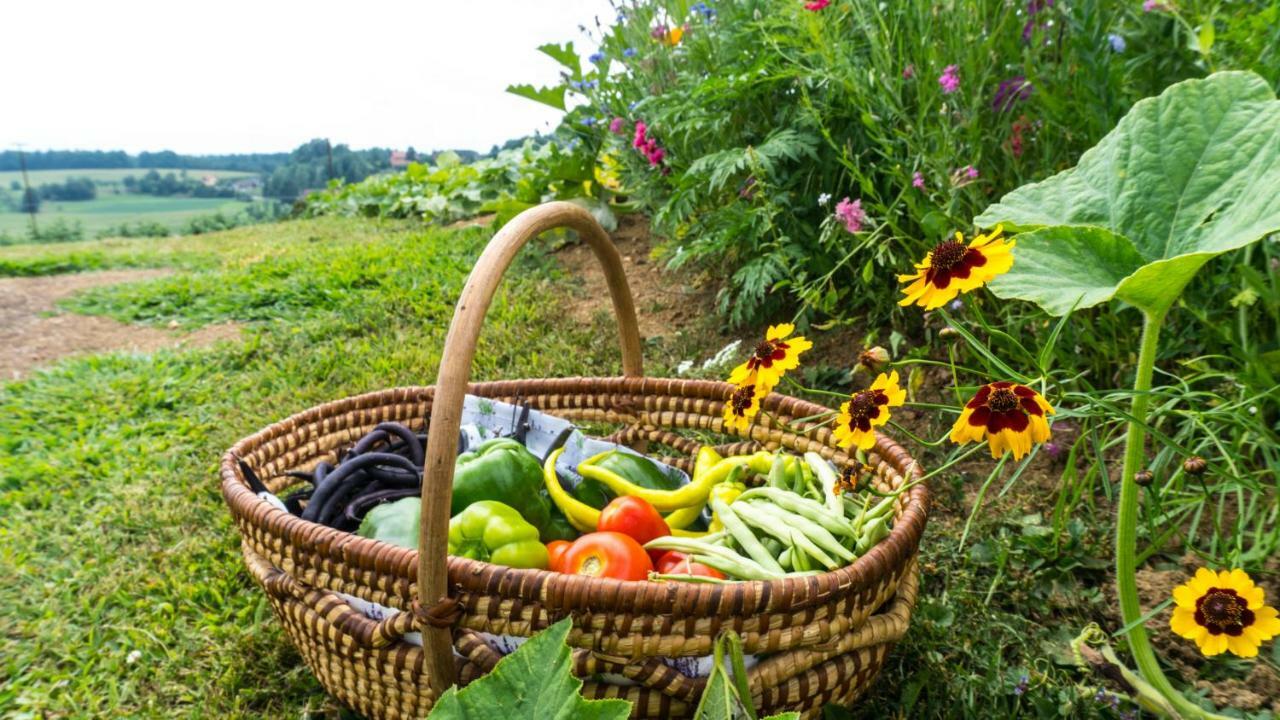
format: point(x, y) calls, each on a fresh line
point(874, 359)
point(1194, 465)
point(1144, 477)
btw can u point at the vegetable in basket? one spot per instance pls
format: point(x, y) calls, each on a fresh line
point(395, 523)
point(502, 469)
point(607, 554)
point(585, 518)
point(635, 518)
point(494, 532)
point(597, 471)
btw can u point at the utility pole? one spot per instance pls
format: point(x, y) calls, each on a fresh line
point(26, 186)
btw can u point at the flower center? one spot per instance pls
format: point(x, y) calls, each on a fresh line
point(764, 350)
point(863, 404)
point(947, 255)
point(742, 399)
point(1002, 400)
point(1222, 608)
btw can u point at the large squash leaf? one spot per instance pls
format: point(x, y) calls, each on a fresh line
point(535, 681)
point(1183, 177)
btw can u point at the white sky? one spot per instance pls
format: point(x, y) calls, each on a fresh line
point(239, 76)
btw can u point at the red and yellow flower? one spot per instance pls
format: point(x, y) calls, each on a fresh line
point(743, 406)
point(953, 267)
point(771, 359)
point(1223, 611)
point(1009, 415)
point(868, 409)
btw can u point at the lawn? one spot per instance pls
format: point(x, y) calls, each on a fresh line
point(107, 175)
point(129, 597)
point(111, 209)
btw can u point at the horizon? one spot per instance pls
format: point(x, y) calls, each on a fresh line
point(249, 78)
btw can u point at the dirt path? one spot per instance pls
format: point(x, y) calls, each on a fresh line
point(33, 332)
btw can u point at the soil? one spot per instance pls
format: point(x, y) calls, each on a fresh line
point(33, 332)
point(664, 300)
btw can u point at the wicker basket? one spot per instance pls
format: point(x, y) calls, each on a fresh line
point(821, 638)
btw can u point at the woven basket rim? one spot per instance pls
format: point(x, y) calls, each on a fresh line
point(886, 557)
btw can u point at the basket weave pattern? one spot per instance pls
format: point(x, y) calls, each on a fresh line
point(822, 638)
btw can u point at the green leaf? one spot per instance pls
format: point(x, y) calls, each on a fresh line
point(552, 96)
point(535, 681)
point(1183, 177)
point(563, 54)
point(1057, 266)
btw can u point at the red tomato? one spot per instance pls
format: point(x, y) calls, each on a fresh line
point(607, 554)
point(635, 517)
point(677, 563)
point(556, 550)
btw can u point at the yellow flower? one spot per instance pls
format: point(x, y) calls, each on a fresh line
point(1011, 416)
point(952, 268)
point(772, 358)
point(743, 406)
point(606, 172)
point(674, 35)
point(1223, 611)
point(868, 409)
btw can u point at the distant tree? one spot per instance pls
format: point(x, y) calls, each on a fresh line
point(15, 185)
point(72, 189)
point(411, 155)
point(30, 201)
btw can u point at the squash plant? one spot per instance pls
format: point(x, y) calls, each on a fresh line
point(1183, 177)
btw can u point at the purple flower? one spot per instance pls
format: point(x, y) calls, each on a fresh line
point(1034, 7)
point(1021, 687)
point(949, 80)
point(851, 214)
point(917, 180)
point(629, 53)
point(658, 32)
point(1011, 92)
point(909, 71)
point(596, 57)
point(702, 9)
point(1117, 43)
point(972, 172)
point(588, 121)
point(615, 125)
point(1151, 5)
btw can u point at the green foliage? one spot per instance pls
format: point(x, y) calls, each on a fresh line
point(856, 85)
point(506, 184)
point(1183, 177)
point(535, 681)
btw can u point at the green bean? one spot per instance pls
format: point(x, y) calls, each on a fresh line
point(743, 535)
point(827, 478)
point(767, 525)
point(812, 550)
point(811, 509)
point(778, 473)
point(785, 559)
point(875, 531)
point(689, 545)
point(736, 566)
point(810, 529)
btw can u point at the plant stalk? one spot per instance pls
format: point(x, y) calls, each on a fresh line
point(1127, 526)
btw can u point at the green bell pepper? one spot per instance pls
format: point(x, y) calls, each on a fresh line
point(494, 532)
point(395, 523)
point(633, 468)
point(504, 470)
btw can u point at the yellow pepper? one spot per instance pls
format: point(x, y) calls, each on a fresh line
point(585, 518)
point(694, 493)
point(726, 492)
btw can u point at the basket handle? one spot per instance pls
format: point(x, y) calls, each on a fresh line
point(451, 386)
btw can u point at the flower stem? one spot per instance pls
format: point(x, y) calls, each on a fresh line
point(1127, 526)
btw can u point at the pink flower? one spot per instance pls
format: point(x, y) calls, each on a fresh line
point(909, 71)
point(615, 125)
point(949, 80)
point(1151, 5)
point(851, 214)
point(972, 172)
point(641, 129)
point(917, 180)
point(816, 5)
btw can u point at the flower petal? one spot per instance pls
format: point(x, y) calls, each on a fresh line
point(1241, 646)
point(1183, 623)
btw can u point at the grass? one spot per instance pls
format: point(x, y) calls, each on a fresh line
point(126, 595)
point(111, 209)
point(107, 175)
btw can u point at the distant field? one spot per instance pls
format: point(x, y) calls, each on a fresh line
point(106, 175)
point(109, 210)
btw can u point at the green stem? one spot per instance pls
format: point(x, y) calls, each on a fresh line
point(1127, 526)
